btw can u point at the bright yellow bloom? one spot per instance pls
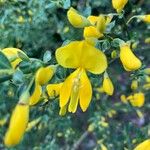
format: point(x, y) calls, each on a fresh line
point(77, 87)
point(18, 124)
point(92, 31)
point(53, 90)
point(35, 97)
point(76, 19)
point(107, 85)
point(119, 4)
point(98, 27)
point(12, 55)
point(145, 18)
point(44, 74)
point(134, 85)
point(144, 145)
point(138, 99)
point(129, 60)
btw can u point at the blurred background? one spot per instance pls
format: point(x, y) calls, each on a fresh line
point(40, 26)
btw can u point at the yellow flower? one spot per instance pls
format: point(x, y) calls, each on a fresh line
point(77, 87)
point(44, 74)
point(12, 55)
point(98, 26)
point(107, 85)
point(129, 60)
point(53, 90)
point(92, 31)
point(134, 85)
point(35, 97)
point(119, 4)
point(77, 20)
point(138, 99)
point(144, 145)
point(18, 124)
point(145, 18)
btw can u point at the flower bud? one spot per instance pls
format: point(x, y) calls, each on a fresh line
point(107, 85)
point(12, 55)
point(119, 4)
point(138, 99)
point(17, 126)
point(44, 74)
point(134, 85)
point(129, 60)
point(145, 18)
point(77, 20)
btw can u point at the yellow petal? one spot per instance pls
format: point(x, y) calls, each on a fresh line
point(17, 126)
point(101, 23)
point(128, 59)
point(93, 19)
point(63, 110)
point(35, 97)
point(44, 74)
point(138, 99)
point(144, 145)
point(12, 55)
point(74, 97)
point(53, 90)
point(119, 4)
point(145, 18)
point(92, 31)
point(77, 55)
point(85, 92)
point(77, 20)
point(108, 85)
point(66, 88)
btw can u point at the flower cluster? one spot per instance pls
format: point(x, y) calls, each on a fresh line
point(85, 58)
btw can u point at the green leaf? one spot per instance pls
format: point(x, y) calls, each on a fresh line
point(47, 56)
point(4, 62)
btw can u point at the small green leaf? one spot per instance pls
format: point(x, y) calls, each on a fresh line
point(4, 62)
point(47, 56)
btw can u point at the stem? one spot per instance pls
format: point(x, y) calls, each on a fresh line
point(126, 27)
point(132, 18)
point(77, 144)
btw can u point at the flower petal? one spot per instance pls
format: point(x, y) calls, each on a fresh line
point(98, 61)
point(66, 88)
point(77, 54)
point(85, 92)
point(69, 55)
